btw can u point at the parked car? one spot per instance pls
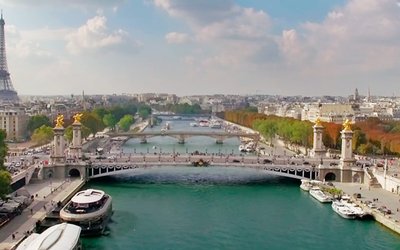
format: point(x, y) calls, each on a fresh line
point(267, 161)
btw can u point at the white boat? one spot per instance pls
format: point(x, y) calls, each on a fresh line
point(62, 236)
point(352, 206)
point(215, 124)
point(194, 124)
point(242, 148)
point(90, 209)
point(317, 193)
point(204, 123)
point(306, 185)
point(343, 210)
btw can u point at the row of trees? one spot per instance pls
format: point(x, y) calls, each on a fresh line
point(5, 177)
point(372, 136)
point(40, 128)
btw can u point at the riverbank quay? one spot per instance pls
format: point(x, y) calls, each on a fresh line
point(381, 198)
point(46, 195)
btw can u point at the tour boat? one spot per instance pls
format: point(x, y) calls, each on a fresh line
point(306, 185)
point(90, 209)
point(317, 193)
point(203, 123)
point(62, 236)
point(360, 213)
point(215, 124)
point(343, 210)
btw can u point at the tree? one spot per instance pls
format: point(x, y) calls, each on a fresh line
point(144, 111)
point(43, 135)
point(110, 121)
point(126, 122)
point(5, 181)
point(93, 122)
point(37, 121)
point(3, 148)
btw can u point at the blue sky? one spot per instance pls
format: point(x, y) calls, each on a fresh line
point(187, 47)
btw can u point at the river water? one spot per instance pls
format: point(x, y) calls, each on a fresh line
point(222, 208)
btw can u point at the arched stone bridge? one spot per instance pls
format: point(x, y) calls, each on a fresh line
point(101, 168)
point(181, 136)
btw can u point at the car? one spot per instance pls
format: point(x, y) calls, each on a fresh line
point(236, 160)
point(111, 157)
point(306, 163)
point(266, 161)
point(100, 157)
point(333, 164)
point(371, 205)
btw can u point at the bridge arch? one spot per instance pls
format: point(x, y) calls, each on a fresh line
point(330, 177)
point(109, 169)
point(74, 173)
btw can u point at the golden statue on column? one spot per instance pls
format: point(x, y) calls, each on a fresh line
point(77, 117)
point(318, 122)
point(347, 125)
point(59, 121)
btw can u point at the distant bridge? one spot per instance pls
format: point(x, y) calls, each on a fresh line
point(181, 136)
point(125, 164)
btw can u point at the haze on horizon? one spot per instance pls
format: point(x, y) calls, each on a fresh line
point(286, 47)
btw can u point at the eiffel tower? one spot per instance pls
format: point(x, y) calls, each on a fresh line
point(7, 92)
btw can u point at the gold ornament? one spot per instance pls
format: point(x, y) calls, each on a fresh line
point(318, 122)
point(347, 125)
point(59, 121)
point(77, 117)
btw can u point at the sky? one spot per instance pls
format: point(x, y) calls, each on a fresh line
point(190, 47)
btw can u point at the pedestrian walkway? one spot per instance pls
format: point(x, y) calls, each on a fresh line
point(379, 196)
point(46, 194)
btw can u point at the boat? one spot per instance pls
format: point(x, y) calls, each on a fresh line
point(306, 185)
point(242, 148)
point(317, 193)
point(90, 209)
point(346, 200)
point(194, 124)
point(204, 123)
point(343, 210)
point(215, 124)
point(62, 236)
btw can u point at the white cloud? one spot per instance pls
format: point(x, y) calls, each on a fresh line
point(229, 34)
point(363, 34)
point(69, 3)
point(94, 34)
point(175, 37)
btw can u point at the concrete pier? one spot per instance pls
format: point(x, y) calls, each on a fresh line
point(48, 194)
point(385, 198)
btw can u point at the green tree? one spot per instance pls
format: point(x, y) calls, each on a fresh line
point(37, 121)
point(5, 181)
point(68, 133)
point(3, 148)
point(93, 122)
point(144, 111)
point(126, 122)
point(110, 121)
point(43, 135)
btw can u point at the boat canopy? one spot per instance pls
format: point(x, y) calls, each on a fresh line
point(88, 196)
point(59, 237)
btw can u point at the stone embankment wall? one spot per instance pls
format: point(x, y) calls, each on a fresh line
point(388, 182)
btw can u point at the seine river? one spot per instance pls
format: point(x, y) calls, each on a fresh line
point(222, 208)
